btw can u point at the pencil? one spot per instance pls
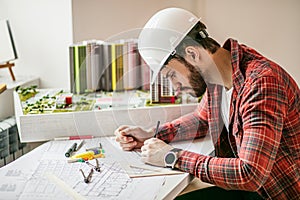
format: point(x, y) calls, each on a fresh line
point(156, 131)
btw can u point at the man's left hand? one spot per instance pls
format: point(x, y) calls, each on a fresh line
point(154, 151)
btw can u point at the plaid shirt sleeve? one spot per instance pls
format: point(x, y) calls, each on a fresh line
point(187, 127)
point(263, 107)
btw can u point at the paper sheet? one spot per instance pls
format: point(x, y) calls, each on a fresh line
point(54, 178)
point(45, 174)
point(131, 160)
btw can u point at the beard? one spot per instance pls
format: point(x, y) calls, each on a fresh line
point(197, 83)
point(195, 79)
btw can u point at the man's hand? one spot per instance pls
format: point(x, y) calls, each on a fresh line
point(154, 151)
point(132, 137)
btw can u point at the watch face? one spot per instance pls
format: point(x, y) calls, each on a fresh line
point(170, 158)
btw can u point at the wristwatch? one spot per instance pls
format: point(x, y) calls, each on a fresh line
point(171, 157)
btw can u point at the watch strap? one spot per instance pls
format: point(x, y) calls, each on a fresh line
point(176, 150)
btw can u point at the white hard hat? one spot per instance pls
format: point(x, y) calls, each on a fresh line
point(161, 35)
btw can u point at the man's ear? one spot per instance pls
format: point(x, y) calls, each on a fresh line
point(191, 53)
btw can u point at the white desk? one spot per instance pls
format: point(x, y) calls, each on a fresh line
point(31, 176)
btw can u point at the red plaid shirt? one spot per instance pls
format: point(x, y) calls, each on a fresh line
point(264, 131)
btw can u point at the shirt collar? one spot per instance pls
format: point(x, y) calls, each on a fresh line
point(236, 58)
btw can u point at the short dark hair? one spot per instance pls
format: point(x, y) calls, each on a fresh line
point(194, 38)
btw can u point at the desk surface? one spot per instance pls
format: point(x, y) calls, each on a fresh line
point(45, 174)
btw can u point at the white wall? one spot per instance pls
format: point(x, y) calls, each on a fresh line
point(42, 30)
point(94, 19)
point(270, 26)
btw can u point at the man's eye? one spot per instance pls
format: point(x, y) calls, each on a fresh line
point(170, 75)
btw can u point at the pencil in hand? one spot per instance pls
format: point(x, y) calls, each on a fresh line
point(156, 131)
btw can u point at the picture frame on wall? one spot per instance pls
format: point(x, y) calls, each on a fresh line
point(7, 46)
point(8, 51)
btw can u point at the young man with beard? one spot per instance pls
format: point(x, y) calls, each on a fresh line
point(251, 110)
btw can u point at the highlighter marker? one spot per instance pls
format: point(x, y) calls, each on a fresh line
point(89, 155)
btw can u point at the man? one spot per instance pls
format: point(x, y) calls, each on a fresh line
point(251, 109)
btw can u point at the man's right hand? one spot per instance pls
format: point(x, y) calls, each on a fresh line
point(132, 137)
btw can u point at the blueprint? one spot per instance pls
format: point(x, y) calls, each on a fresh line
point(54, 178)
point(45, 174)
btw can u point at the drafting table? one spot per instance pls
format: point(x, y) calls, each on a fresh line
point(44, 173)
